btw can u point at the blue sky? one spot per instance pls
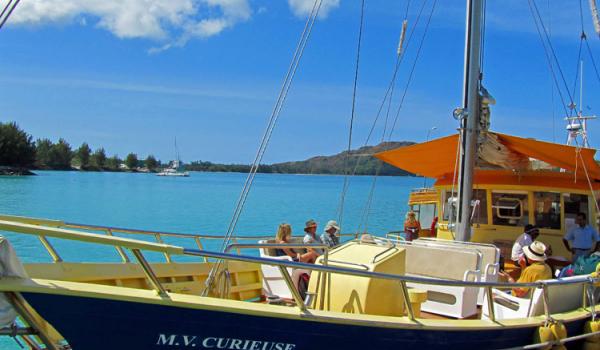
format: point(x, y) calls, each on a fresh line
point(133, 75)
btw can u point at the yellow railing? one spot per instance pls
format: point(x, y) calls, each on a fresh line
point(199, 240)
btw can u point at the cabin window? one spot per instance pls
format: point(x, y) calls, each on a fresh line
point(478, 207)
point(547, 210)
point(425, 213)
point(449, 203)
point(510, 209)
point(574, 203)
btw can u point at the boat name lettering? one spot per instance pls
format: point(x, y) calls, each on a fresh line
point(220, 343)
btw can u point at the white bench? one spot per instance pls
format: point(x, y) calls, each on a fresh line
point(561, 298)
point(490, 258)
point(448, 263)
point(273, 283)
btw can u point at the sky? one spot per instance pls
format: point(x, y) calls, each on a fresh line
point(133, 75)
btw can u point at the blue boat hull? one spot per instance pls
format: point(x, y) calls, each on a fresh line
point(95, 324)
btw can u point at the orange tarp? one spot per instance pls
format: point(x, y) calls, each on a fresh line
point(437, 158)
point(431, 159)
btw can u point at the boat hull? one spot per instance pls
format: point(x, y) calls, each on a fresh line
point(95, 323)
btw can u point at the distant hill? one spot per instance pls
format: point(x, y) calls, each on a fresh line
point(367, 165)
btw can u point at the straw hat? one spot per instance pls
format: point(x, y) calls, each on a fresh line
point(536, 251)
point(310, 223)
point(334, 224)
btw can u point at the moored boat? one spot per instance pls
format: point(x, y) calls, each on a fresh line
point(367, 293)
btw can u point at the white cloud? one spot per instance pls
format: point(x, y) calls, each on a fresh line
point(172, 21)
point(302, 8)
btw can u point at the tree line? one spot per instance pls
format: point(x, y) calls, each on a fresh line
point(17, 149)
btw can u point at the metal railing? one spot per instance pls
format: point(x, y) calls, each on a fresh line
point(137, 246)
point(158, 236)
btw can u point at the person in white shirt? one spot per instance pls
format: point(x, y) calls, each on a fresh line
point(525, 239)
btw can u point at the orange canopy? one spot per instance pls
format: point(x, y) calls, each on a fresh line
point(437, 158)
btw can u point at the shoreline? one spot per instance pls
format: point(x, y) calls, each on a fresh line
point(211, 172)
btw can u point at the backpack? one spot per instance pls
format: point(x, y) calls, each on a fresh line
point(582, 266)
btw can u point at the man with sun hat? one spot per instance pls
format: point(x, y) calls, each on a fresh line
point(536, 269)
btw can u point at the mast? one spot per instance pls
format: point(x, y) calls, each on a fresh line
point(471, 116)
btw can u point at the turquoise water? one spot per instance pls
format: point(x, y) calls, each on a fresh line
point(202, 203)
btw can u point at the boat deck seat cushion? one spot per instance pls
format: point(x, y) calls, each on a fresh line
point(425, 261)
point(490, 254)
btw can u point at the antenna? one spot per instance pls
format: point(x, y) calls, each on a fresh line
point(577, 125)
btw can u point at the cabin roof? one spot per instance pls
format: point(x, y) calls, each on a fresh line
point(437, 158)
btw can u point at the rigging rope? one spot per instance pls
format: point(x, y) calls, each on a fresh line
point(390, 88)
point(548, 58)
point(551, 86)
point(594, 10)
point(10, 10)
point(352, 115)
point(410, 77)
point(265, 139)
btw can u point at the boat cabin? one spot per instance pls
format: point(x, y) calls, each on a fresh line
point(517, 182)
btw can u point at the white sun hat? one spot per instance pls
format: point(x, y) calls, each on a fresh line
point(334, 224)
point(536, 251)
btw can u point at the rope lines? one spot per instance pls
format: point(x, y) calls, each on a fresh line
point(7, 11)
point(366, 210)
point(287, 82)
point(352, 115)
point(550, 54)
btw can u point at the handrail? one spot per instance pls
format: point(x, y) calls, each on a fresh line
point(275, 245)
point(176, 250)
point(169, 234)
point(88, 237)
point(110, 230)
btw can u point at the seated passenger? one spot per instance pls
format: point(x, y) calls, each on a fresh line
point(412, 226)
point(311, 237)
point(525, 239)
point(536, 269)
point(283, 236)
point(329, 236)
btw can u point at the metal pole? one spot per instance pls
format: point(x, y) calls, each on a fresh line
point(406, 297)
point(295, 294)
point(53, 253)
point(119, 249)
point(150, 273)
point(427, 140)
point(470, 121)
point(26, 314)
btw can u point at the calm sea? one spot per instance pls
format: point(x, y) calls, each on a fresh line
point(202, 203)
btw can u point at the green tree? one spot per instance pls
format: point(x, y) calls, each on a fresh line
point(151, 162)
point(16, 146)
point(83, 155)
point(61, 155)
point(131, 161)
point(42, 153)
point(98, 158)
point(113, 163)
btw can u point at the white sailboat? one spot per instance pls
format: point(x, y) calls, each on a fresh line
point(174, 169)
